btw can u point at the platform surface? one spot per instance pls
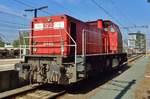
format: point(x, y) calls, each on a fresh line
point(8, 64)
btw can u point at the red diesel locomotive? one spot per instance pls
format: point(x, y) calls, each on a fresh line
point(65, 50)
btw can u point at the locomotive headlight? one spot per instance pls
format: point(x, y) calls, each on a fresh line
point(49, 19)
point(17, 67)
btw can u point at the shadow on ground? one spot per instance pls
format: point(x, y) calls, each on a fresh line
point(125, 89)
point(90, 84)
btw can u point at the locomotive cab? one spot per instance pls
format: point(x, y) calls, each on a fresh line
point(113, 37)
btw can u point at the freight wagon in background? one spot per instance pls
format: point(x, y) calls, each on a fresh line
point(6, 53)
point(65, 50)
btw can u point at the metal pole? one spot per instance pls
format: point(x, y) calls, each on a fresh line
point(35, 10)
point(83, 43)
point(35, 13)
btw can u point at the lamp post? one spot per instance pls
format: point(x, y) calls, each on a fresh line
point(35, 10)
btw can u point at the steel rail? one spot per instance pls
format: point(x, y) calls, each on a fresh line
point(31, 90)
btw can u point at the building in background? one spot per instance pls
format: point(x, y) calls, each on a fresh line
point(137, 42)
point(125, 45)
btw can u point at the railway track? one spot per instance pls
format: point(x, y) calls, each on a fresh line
point(37, 91)
point(34, 91)
point(131, 59)
point(41, 94)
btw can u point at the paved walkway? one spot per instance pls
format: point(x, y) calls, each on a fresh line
point(123, 86)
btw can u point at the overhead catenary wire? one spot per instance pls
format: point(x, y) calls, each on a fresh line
point(59, 4)
point(66, 10)
point(135, 26)
point(28, 5)
point(3, 38)
point(10, 26)
point(12, 14)
point(106, 12)
point(14, 23)
point(121, 13)
point(128, 19)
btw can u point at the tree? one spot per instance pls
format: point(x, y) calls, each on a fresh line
point(2, 43)
point(16, 43)
point(21, 40)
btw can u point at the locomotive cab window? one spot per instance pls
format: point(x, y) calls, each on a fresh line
point(106, 29)
point(73, 35)
point(112, 29)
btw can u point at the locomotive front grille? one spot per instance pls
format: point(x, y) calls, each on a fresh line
point(47, 70)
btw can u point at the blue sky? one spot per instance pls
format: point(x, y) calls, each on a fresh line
point(127, 12)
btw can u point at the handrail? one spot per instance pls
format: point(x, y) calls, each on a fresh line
point(46, 46)
point(43, 36)
point(84, 42)
point(49, 36)
point(75, 47)
point(71, 37)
